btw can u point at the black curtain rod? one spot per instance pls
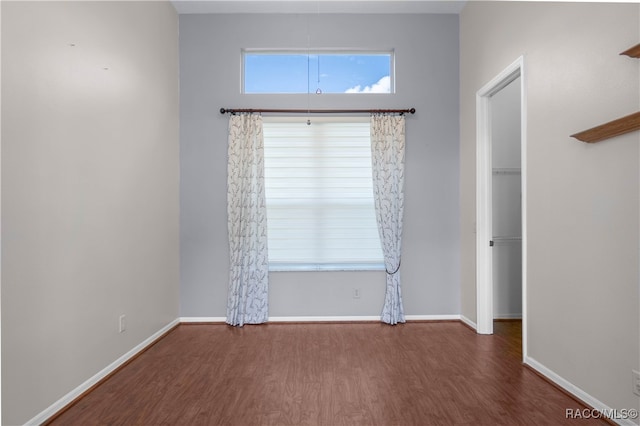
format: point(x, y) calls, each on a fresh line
point(319, 111)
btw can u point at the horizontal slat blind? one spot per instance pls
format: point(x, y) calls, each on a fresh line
point(319, 193)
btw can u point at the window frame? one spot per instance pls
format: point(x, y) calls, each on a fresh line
point(318, 51)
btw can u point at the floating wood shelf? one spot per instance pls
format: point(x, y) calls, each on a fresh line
point(608, 130)
point(633, 52)
point(617, 127)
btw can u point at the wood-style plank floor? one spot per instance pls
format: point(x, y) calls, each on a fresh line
point(422, 373)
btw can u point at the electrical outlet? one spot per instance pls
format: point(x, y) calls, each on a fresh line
point(356, 293)
point(636, 382)
point(122, 323)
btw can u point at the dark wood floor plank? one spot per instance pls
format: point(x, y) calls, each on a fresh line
point(328, 374)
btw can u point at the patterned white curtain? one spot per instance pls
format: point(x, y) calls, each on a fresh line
point(247, 222)
point(387, 152)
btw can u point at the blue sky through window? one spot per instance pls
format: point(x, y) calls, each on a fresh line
point(292, 72)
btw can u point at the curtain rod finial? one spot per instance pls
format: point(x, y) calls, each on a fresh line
point(223, 111)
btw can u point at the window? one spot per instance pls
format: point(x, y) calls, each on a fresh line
point(319, 191)
point(290, 71)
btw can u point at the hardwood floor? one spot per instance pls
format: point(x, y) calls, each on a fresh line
point(421, 373)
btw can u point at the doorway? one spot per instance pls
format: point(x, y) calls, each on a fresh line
point(506, 204)
point(501, 200)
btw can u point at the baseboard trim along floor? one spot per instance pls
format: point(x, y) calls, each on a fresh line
point(67, 400)
point(205, 320)
point(576, 392)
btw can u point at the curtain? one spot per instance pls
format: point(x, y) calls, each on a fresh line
point(247, 222)
point(387, 153)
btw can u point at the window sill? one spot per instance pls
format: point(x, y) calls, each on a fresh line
point(319, 267)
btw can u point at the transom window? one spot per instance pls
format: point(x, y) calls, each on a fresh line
point(319, 191)
point(301, 71)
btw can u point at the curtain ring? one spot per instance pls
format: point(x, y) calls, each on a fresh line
point(394, 272)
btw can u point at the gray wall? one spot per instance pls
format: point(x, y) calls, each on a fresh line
point(582, 270)
point(89, 191)
point(426, 48)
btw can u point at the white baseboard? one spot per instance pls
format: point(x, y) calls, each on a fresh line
point(507, 316)
point(468, 322)
point(325, 318)
point(574, 390)
point(68, 398)
point(453, 317)
point(188, 320)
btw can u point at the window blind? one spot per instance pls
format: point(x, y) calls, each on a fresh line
point(319, 191)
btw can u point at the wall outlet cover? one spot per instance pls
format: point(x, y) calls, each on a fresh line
point(122, 323)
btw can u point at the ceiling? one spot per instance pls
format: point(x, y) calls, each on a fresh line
point(318, 6)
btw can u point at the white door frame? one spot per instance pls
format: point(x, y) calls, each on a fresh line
point(484, 213)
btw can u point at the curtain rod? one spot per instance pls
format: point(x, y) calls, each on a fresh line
point(319, 111)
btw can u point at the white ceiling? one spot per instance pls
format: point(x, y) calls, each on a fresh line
point(318, 6)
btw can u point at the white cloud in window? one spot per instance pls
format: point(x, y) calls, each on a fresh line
point(382, 86)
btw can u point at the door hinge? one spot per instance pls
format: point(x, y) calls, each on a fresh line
point(490, 243)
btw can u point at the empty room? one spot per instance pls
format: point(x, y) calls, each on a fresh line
point(320, 212)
